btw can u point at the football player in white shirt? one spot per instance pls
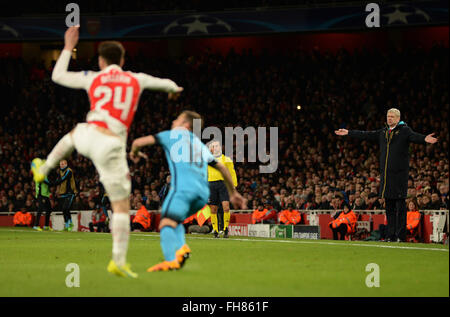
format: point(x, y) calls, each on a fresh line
point(114, 96)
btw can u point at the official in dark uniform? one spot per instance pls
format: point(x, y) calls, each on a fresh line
point(394, 140)
point(67, 192)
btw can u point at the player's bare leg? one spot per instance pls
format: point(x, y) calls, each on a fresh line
point(120, 231)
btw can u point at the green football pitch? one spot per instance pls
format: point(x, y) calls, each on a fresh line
point(34, 264)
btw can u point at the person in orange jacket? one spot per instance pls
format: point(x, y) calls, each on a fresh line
point(258, 213)
point(344, 224)
point(22, 218)
point(289, 216)
point(264, 213)
point(142, 219)
point(412, 217)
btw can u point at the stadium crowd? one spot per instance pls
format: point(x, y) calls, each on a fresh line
point(306, 94)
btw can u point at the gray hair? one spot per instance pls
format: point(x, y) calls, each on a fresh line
point(394, 111)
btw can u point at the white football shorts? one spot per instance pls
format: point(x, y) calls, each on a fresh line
point(108, 153)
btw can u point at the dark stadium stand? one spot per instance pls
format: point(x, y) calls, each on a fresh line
point(238, 90)
point(112, 7)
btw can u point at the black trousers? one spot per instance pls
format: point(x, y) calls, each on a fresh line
point(43, 205)
point(136, 226)
point(383, 231)
point(218, 193)
point(342, 229)
point(396, 219)
point(65, 203)
point(101, 227)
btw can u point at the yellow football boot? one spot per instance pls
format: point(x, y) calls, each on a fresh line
point(123, 271)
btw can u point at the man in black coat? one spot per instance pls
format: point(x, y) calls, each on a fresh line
point(394, 140)
point(164, 190)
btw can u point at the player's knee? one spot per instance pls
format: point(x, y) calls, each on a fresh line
point(118, 189)
point(226, 206)
point(167, 222)
point(121, 206)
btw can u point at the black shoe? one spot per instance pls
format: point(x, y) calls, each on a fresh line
point(216, 234)
point(225, 233)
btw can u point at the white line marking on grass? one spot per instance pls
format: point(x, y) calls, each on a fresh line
point(156, 235)
point(348, 244)
point(309, 242)
point(33, 231)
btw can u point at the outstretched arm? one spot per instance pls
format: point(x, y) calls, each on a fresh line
point(431, 139)
point(419, 138)
point(60, 74)
point(341, 132)
point(135, 154)
point(363, 135)
point(160, 84)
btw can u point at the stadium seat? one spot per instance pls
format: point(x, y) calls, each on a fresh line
point(243, 218)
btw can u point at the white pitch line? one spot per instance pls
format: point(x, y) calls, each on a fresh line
point(308, 242)
point(31, 231)
point(350, 244)
point(279, 241)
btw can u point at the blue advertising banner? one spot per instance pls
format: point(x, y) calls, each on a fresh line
point(225, 23)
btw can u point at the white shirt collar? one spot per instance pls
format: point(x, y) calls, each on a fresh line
point(112, 66)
